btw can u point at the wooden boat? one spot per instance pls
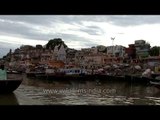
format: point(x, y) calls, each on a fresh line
point(154, 75)
point(34, 74)
point(64, 77)
point(9, 85)
point(155, 83)
point(13, 72)
point(137, 79)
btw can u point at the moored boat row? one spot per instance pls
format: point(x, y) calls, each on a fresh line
point(83, 74)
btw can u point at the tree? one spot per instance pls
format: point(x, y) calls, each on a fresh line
point(54, 42)
point(4, 57)
point(101, 48)
point(39, 46)
point(154, 51)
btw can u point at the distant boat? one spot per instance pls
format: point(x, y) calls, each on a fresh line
point(9, 85)
point(156, 84)
point(138, 79)
point(13, 72)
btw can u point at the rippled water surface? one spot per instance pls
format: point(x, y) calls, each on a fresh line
point(43, 92)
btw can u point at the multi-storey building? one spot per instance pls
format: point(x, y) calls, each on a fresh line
point(131, 51)
point(117, 51)
point(142, 48)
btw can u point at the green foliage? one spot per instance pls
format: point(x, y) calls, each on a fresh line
point(54, 42)
point(4, 57)
point(154, 51)
point(39, 46)
point(101, 48)
point(26, 47)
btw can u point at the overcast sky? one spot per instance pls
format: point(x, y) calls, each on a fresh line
point(77, 31)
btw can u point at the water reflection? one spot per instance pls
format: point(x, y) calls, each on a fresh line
point(8, 99)
point(43, 92)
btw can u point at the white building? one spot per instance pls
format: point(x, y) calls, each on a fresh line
point(55, 53)
point(117, 50)
point(61, 54)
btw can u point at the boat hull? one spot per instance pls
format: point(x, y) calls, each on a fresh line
point(137, 79)
point(8, 86)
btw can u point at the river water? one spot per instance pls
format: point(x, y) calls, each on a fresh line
point(43, 92)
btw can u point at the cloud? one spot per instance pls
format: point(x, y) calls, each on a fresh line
point(133, 20)
point(92, 30)
point(5, 47)
point(78, 31)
